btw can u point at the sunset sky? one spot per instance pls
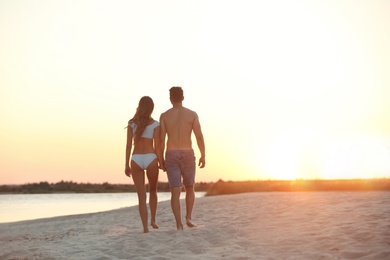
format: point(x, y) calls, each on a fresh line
point(283, 89)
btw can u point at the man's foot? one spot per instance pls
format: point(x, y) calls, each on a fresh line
point(146, 230)
point(154, 225)
point(190, 224)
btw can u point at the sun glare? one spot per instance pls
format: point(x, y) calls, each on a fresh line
point(304, 154)
point(359, 157)
point(284, 155)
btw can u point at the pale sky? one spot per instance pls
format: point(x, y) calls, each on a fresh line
point(283, 89)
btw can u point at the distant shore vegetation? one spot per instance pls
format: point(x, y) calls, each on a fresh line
point(231, 187)
point(217, 188)
point(74, 187)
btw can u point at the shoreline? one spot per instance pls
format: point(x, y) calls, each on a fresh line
point(299, 225)
point(183, 203)
point(20, 207)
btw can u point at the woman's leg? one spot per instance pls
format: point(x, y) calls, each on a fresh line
point(139, 182)
point(152, 173)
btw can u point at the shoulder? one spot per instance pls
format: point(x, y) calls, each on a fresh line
point(190, 112)
point(165, 114)
point(167, 111)
point(132, 124)
point(153, 124)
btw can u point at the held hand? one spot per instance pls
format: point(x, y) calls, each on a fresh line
point(202, 162)
point(128, 171)
point(162, 166)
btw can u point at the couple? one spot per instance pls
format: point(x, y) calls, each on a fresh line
point(148, 137)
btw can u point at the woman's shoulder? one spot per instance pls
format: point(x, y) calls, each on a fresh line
point(131, 123)
point(153, 123)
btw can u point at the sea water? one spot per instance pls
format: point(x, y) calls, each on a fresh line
point(18, 207)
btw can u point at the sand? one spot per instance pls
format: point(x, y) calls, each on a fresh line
point(270, 225)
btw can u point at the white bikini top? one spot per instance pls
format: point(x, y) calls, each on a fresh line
point(149, 130)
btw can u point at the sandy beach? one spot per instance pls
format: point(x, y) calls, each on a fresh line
point(268, 225)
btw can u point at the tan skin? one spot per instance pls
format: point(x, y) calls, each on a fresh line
point(144, 146)
point(178, 123)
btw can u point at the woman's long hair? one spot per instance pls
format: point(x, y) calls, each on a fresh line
point(142, 116)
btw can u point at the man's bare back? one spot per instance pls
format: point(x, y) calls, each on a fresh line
point(179, 122)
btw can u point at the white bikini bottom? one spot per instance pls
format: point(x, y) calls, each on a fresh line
point(143, 160)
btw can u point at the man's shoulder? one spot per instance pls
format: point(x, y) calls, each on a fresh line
point(173, 111)
point(165, 113)
point(189, 111)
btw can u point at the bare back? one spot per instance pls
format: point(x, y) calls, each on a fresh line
point(178, 123)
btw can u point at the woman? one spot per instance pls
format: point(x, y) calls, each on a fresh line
point(147, 155)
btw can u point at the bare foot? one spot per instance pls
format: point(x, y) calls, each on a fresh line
point(154, 225)
point(146, 230)
point(190, 224)
point(179, 226)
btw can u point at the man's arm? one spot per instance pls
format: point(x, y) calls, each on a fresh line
point(200, 141)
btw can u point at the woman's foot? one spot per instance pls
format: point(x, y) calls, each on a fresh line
point(190, 224)
point(179, 226)
point(154, 225)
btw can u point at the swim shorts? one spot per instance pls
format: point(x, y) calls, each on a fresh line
point(180, 164)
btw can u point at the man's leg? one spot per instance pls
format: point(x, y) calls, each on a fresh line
point(176, 208)
point(190, 201)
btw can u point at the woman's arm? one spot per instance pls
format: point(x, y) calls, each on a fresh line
point(158, 148)
point(129, 145)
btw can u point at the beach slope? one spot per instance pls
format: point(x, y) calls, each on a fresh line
point(267, 225)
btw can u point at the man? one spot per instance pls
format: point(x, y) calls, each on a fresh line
point(178, 123)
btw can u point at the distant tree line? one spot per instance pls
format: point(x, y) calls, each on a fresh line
point(218, 188)
point(74, 187)
point(231, 187)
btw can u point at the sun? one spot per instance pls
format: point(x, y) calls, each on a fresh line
point(302, 153)
point(287, 155)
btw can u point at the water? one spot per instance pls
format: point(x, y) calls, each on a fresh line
point(18, 207)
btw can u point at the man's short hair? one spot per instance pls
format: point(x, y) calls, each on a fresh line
point(176, 94)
